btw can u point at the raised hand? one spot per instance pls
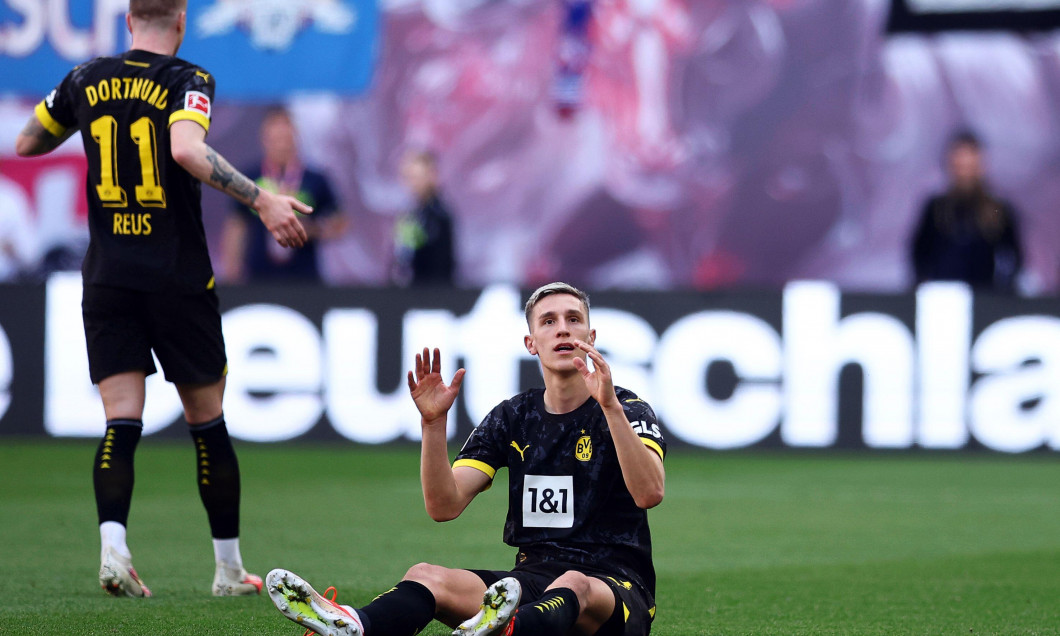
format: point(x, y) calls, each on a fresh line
point(598, 381)
point(433, 398)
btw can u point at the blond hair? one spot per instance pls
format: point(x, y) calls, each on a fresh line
point(552, 289)
point(154, 10)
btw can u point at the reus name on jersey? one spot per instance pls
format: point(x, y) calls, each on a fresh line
point(144, 209)
point(567, 500)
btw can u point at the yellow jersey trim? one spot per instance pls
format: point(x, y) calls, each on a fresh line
point(140, 64)
point(654, 446)
point(477, 465)
point(212, 283)
point(198, 118)
point(48, 121)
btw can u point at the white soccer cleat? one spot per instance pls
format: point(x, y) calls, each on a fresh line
point(118, 577)
point(298, 601)
point(499, 604)
point(229, 580)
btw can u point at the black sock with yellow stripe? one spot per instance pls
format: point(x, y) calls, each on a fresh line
point(112, 472)
point(554, 613)
point(217, 471)
point(403, 610)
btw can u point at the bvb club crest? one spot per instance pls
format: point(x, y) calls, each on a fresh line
point(583, 450)
point(274, 24)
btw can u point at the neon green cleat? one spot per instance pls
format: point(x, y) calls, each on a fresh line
point(298, 601)
point(499, 605)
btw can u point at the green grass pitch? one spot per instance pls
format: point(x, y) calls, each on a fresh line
point(744, 543)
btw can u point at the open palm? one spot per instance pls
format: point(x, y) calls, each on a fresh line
point(430, 393)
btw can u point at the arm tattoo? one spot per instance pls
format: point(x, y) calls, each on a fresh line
point(43, 141)
point(231, 180)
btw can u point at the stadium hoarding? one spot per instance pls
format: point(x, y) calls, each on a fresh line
point(40, 40)
point(808, 367)
point(931, 16)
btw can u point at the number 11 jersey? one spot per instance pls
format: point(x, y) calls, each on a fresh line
point(144, 210)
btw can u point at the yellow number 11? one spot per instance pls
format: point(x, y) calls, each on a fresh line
point(148, 194)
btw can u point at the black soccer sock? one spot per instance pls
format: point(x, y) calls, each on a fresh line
point(403, 610)
point(554, 613)
point(112, 473)
point(218, 477)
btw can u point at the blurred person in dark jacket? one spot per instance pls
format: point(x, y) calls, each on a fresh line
point(248, 252)
point(423, 238)
point(967, 233)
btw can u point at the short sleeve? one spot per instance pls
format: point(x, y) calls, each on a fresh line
point(58, 111)
point(642, 418)
point(485, 449)
point(193, 99)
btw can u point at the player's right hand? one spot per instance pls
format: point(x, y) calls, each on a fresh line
point(433, 398)
point(277, 212)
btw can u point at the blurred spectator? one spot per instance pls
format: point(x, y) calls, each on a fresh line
point(967, 233)
point(248, 251)
point(18, 240)
point(423, 238)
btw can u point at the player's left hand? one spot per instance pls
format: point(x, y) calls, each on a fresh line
point(598, 380)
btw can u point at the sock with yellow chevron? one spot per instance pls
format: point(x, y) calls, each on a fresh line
point(217, 471)
point(112, 472)
point(554, 613)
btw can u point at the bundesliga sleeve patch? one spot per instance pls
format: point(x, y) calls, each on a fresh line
point(197, 102)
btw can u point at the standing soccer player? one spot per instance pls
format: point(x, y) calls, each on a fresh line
point(148, 283)
point(584, 463)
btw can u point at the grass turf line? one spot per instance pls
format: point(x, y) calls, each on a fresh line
point(744, 544)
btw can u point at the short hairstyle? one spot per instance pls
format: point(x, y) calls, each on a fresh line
point(552, 289)
point(965, 137)
point(156, 9)
point(276, 111)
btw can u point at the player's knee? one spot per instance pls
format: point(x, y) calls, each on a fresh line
point(430, 576)
point(576, 582)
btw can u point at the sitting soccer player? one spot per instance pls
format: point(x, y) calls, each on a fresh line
point(585, 463)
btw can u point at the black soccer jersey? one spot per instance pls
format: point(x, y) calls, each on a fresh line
point(145, 215)
point(567, 500)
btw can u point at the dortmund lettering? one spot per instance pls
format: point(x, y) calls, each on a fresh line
point(121, 88)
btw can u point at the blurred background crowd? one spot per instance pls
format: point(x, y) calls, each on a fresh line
point(626, 144)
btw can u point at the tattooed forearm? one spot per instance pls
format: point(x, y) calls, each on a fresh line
point(36, 140)
point(230, 180)
point(222, 172)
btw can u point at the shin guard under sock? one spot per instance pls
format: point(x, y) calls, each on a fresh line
point(217, 472)
point(554, 613)
point(403, 610)
point(112, 472)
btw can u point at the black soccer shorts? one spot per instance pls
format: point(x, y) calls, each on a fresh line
point(634, 608)
point(122, 326)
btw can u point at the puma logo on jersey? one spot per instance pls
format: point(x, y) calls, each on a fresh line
point(521, 450)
